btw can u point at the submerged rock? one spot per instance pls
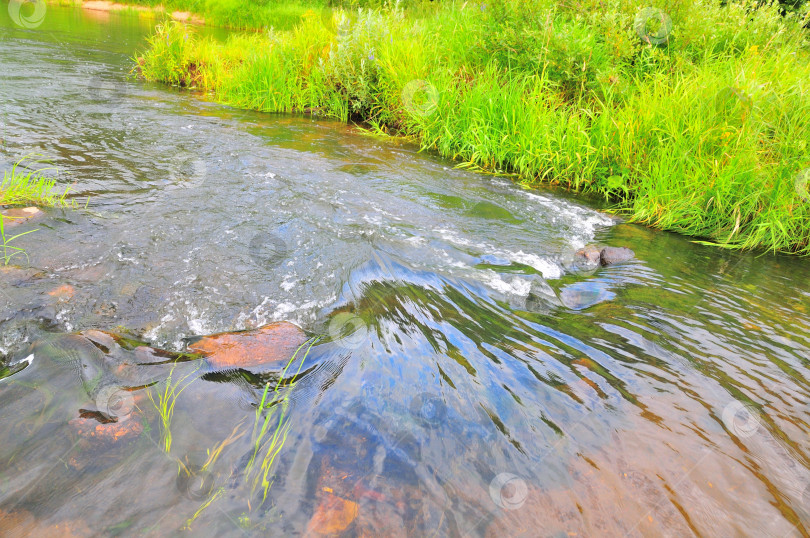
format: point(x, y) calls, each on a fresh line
point(12, 275)
point(63, 293)
point(542, 298)
point(273, 343)
point(590, 257)
point(332, 516)
point(612, 255)
point(587, 258)
point(19, 522)
point(17, 215)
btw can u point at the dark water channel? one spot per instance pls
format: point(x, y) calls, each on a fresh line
point(464, 383)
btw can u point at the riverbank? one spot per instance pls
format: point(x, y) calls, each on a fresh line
point(695, 118)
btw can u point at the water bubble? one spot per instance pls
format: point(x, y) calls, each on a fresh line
point(194, 482)
point(27, 13)
point(653, 25)
point(109, 91)
point(801, 182)
point(348, 330)
point(267, 250)
point(115, 402)
point(420, 98)
point(187, 169)
point(508, 491)
point(741, 419)
point(429, 410)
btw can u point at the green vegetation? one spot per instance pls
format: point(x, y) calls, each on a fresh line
point(265, 445)
point(166, 399)
point(10, 251)
point(22, 186)
point(238, 14)
point(695, 119)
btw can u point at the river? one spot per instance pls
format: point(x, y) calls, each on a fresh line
point(466, 382)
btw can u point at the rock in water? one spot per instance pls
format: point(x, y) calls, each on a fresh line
point(276, 342)
point(586, 259)
point(611, 255)
point(16, 216)
point(588, 255)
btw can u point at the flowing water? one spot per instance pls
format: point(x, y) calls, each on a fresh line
point(464, 383)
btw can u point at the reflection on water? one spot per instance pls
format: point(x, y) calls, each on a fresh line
point(465, 383)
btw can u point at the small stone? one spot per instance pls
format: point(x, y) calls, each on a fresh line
point(613, 255)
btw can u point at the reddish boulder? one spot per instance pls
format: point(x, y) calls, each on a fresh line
point(273, 343)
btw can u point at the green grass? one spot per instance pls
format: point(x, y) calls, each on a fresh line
point(23, 186)
point(164, 401)
point(266, 443)
point(705, 132)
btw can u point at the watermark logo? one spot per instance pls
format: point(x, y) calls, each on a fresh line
point(110, 91)
point(800, 184)
point(653, 26)
point(194, 482)
point(267, 250)
point(27, 13)
point(348, 330)
point(741, 419)
point(429, 410)
point(508, 491)
point(115, 402)
point(338, 18)
point(733, 104)
point(420, 98)
point(187, 169)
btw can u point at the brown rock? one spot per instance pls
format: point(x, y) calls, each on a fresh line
point(21, 523)
point(100, 338)
point(333, 515)
point(63, 293)
point(588, 255)
point(12, 275)
point(17, 215)
point(89, 427)
point(273, 343)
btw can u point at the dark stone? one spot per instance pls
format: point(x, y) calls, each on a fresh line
point(612, 255)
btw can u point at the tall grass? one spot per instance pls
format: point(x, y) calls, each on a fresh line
point(164, 401)
point(704, 133)
point(271, 425)
point(23, 186)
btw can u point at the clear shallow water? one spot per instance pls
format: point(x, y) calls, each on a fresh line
point(459, 405)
